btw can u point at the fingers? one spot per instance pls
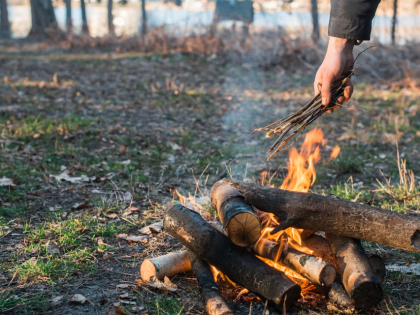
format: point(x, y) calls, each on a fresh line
point(317, 83)
point(348, 90)
point(327, 81)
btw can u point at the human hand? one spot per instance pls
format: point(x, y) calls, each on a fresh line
point(338, 60)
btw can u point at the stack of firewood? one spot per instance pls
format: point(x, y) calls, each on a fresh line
point(335, 261)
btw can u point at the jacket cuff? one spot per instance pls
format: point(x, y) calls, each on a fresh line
point(350, 29)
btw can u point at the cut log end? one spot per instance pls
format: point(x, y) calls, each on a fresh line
point(147, 270)
point(367, 295)
point(290, 297)
point(415, 239)
point(244, 229)
point(378, 267)
point(328, 275)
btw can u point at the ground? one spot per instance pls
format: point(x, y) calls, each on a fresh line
point(130, 128)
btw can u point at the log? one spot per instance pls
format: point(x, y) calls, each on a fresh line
point(168, 265)
point(338, 295)
point(314, 212)
point(359, 280)
point(315, 270)
point(239, 219)
point(238, 264)
point(215, 303)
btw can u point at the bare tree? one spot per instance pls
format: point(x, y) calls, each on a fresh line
point(394, 22)
point(315, 22)
point(69, 22)
point(111, 28)
point(85, 27)
point(43, 18)
point(4, 17)
point(143, 17)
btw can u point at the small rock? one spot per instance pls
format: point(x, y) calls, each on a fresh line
point(52, 248)
point(78, 298)
point(49, 235)
point(57, 300)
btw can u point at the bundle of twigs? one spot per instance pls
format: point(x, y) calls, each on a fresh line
point(289, 126)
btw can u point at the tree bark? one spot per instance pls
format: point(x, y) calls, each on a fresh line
point(314, 212)
point(238, 264)
point(85, 26)
point(215, 303)
point(4, 23)
point(111, 28)
point(394, 22)
point(168, 265)
point(315, 270)
point(43, 17)
point(143, 17)
point(69, 22)
point(239, 219)
point(360, 282)
point(315, 22)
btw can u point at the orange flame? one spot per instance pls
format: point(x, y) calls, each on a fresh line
point(301, 174)
point(335, 152)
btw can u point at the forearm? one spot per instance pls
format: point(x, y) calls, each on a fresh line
point(352, 19)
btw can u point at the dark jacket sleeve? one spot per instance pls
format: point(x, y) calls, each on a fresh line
point(352, 19)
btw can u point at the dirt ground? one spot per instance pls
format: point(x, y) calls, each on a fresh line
point(122, 131)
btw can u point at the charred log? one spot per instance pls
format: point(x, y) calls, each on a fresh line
point(360, 282)
point(215, 303)
point(314, 212)
point(315, 270)
point(238, 264)
point(239, 219)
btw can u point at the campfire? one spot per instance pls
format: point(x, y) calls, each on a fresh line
point(275, 242)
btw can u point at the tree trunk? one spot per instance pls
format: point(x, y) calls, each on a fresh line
point(143, 17)
point(111, 28)
point(215, 303)
point(85, 27)
point(394, 22)
point(360, 282)
point(43, 17)
point(69, 22)
point(315, 23)
point(4, 17)
point(239, 219)
point(238, 264)
point(314, 212)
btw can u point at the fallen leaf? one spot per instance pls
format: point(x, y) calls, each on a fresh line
point(111, 216)
point(52, 248)
point(123, 296)
point(6, 182)
point(153, 228)
point(66, 177)
point(119, 310)
point(155, 283)
point(78, 298)
point(125, 286)
point(136, 239)
point(80, 206)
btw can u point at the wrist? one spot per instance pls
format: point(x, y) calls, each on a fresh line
point(341, 44)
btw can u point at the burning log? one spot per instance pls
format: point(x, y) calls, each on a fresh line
point(360, 282)
point(239, 219)
point(168, 265)
point(239, 265)
point(314, 212)
point(308, 266)
point(215, 303)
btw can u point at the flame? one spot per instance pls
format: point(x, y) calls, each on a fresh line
point(288, 272)
point(335, 152)
point(301, 174)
